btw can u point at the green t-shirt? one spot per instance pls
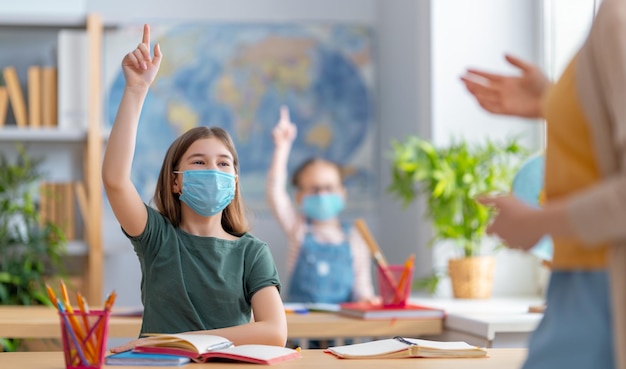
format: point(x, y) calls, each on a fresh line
point(191, 283)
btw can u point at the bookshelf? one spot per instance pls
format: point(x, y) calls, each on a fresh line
point(79, 148)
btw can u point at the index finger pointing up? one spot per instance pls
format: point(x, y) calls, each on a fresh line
point(146, 35)
point(284, 115)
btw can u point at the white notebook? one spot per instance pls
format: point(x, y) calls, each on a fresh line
point(400, 347)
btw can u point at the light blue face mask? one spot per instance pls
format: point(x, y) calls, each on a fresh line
point(207, 191)
point(322, 206)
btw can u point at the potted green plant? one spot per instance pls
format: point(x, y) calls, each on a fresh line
point(31, 252)
point(451, 178)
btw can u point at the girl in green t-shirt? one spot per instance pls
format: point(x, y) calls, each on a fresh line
point(201, 270)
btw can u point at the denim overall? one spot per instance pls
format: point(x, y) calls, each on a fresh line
point(323, 272)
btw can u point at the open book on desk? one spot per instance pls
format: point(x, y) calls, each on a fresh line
point(204, 347)
point(400, 347)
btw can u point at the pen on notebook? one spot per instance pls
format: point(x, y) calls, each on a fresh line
point(69, 329)
point(220, 346)
point(404, 340)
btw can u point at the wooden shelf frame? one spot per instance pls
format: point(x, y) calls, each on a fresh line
point(93, 163)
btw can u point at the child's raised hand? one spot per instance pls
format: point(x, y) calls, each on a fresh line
point(138, 67)
point(285, 131)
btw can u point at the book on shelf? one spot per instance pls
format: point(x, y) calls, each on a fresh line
point(56, 205)
point(49, 101)
point(33, 84)
point(143, 359)
point(366, 310)
point(204, 347)
point(16, 96)
point(73, 76)
point(401, 347)
point(4, 104)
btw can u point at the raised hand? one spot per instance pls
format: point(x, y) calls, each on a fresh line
point(138, 66)
point(285, 131)
point(509, 95)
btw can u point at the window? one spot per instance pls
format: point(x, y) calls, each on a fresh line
point(565, 27)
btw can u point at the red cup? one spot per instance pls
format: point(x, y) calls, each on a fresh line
point(394, 285)
point(84, 338)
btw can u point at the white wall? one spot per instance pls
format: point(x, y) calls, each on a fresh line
point(422, 48)
point(234, 10)
point(478, 33)
point(404, 102)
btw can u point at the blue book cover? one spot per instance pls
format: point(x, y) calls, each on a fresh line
point(145, 359)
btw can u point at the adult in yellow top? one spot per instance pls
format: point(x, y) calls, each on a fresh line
point(202, 272)
point(584, 325)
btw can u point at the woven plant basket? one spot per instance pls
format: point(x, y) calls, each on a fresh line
point(472, 278)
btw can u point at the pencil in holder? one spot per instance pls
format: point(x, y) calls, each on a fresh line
point(84, 338)
point(394, 285)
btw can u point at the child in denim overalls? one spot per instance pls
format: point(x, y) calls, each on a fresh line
point(327, 260)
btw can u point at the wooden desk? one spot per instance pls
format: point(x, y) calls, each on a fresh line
point(43, 322)
point(498, 358)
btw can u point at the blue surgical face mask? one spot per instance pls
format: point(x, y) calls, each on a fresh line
point(322, 206)
point(207, 191)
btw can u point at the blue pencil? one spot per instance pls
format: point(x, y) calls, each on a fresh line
point(68, 327)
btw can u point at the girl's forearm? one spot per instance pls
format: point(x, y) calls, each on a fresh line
point(264, 333)
point(120, 147)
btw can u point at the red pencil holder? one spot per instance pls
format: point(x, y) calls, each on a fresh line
point(394, 285)
point(84, 338)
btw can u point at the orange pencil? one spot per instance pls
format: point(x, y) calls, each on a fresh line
point(408, 264)
point(64, 295)
point(110, 300)
point(89, 336)
point(52, 296)
point(84, 309)
point(99, 330)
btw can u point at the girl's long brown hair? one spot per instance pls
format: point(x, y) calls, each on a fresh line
point(234, 219)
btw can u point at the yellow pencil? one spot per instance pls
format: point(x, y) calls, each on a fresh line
point(89, 334)
point(110, 300)
point(408, 264)
point(99, 330)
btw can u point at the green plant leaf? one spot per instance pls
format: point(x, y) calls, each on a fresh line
point(450, 178)
point(30, 251)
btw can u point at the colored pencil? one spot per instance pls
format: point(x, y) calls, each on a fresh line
point(52, 296)
point(70, 329)
point(375, 251)
point(408, 265)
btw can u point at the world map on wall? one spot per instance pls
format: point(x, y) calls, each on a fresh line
point(236, 76)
